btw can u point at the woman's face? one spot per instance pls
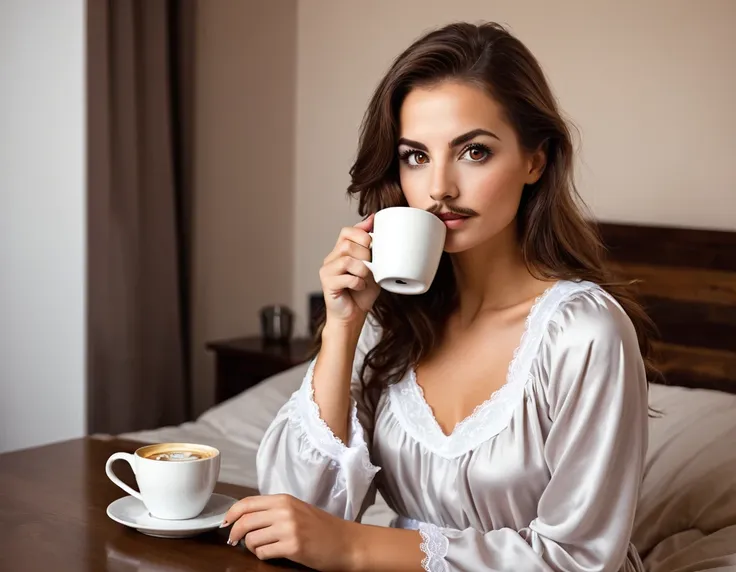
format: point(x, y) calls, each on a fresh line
point(460, 158)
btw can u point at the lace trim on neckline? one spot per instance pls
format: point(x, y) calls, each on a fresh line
point(493, 415)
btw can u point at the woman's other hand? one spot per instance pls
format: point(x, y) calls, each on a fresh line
point(282, 526)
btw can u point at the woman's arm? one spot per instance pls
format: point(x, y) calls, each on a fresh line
point(316, 448)
point(332, 374)
point(379, 549)
point(349, 293)
point(300, 455)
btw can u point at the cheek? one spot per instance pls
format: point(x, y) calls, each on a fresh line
point(492, 189)
point(414, 186)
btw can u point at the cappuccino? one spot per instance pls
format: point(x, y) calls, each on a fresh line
point(177, 488)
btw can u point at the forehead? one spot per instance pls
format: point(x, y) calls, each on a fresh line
point(443, 111)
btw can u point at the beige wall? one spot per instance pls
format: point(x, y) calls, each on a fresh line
point(282, 87)
point(244, 167)
point(649, 84)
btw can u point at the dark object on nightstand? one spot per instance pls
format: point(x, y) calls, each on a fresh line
point(276, 323)
point(316, 311)
point(243, 362)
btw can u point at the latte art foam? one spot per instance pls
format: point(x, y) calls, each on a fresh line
point(177, 452)
point(176, 456)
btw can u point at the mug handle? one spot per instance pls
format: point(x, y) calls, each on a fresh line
point(127, 457)
point(368, 263)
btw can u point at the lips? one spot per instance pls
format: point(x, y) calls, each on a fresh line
point(444, 217)
point(453, 221)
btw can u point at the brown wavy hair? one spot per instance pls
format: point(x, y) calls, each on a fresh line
point(556, 240)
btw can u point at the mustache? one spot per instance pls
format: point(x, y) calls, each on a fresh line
point(455, 209)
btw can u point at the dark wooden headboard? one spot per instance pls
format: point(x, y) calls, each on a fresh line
point(688, 287)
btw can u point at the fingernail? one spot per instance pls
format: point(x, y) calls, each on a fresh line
point(230, 542)
point(224, 524)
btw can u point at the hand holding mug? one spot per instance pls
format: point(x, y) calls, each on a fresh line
point(397, 249)
point(347, 282)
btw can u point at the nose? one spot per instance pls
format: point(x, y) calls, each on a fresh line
point(442, 188)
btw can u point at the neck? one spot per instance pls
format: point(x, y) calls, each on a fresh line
point(491, 276)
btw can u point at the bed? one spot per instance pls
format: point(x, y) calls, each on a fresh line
point(686, 518)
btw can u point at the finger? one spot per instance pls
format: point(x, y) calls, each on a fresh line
point(346, 247)
point(344, 265)
point(274, 550)
point(252, 521)
point(236, 511)
point(261, 537)
point(356, 235)
point(367, 223)
point(250, 504)
point(337, 284)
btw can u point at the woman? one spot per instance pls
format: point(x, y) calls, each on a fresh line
point(544, 474)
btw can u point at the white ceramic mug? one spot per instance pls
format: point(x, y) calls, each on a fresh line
point(406, 249)
point(175, 479)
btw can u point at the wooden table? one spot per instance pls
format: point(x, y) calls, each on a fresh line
point(52, 517)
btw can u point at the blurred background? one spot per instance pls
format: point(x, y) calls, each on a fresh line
point(170, 168)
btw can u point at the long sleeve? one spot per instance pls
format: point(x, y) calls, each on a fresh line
point(595, 449)
point(301, 456)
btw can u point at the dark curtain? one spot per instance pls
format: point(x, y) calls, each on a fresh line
point(140, 118)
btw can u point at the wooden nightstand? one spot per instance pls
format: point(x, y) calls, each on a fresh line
point(243, 362)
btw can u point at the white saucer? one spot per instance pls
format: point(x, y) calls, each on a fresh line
point(133, 513)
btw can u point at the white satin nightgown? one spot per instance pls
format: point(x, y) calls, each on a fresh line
point(543, 476)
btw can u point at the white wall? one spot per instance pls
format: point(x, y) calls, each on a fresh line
point(649, 84)
point(42, 222)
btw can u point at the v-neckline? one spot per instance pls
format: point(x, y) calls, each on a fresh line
point(494, 395)
point(493, 415)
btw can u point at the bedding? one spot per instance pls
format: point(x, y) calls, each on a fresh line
point(686, 517)
point(692, 550)
point(690, 473)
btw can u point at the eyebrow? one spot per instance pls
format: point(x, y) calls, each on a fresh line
point(459, 140)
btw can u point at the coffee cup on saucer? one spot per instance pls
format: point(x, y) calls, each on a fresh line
point(176, 480)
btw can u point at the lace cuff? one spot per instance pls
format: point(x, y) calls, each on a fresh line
point(434, 545)
point(321, 436)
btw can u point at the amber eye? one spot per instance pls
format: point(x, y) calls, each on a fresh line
point(414, 157)
point(476, 154)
